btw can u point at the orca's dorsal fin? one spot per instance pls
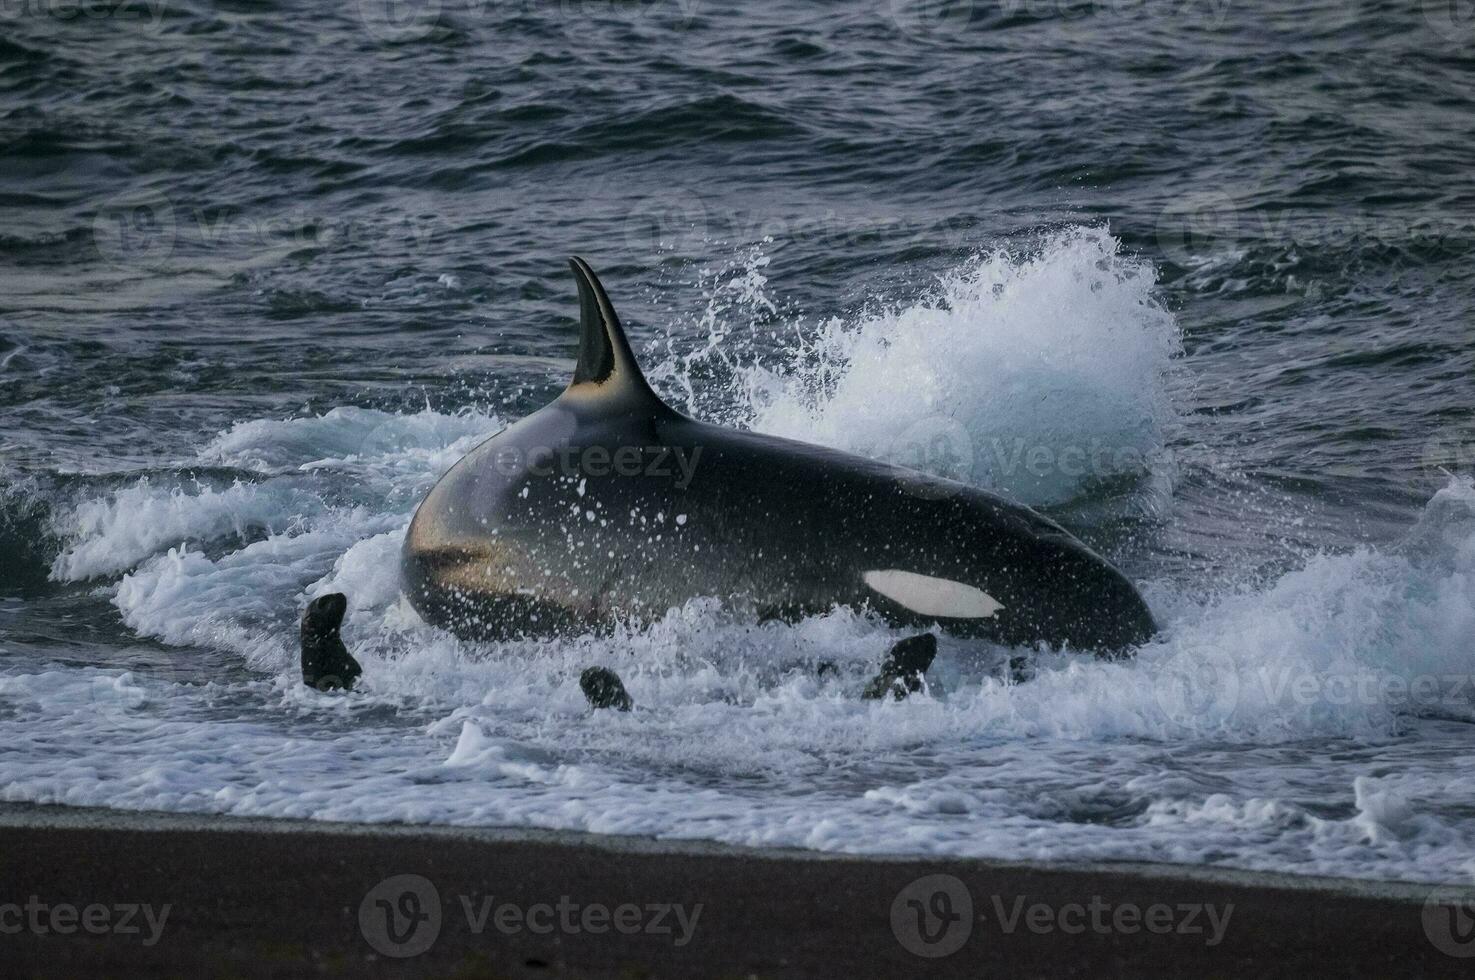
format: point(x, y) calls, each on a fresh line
point(606, 365)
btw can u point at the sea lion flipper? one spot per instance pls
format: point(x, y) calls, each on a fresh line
point(902, 670)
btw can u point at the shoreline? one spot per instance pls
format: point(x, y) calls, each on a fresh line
point(62, 816)
point(260, 897)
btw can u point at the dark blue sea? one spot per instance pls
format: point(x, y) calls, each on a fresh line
point(1193, 277)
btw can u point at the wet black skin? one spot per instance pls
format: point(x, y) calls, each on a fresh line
point(504, 545)
point(603, 688)
point(902, 670)
point(326, 662)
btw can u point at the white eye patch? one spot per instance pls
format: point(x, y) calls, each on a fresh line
point(930, 596)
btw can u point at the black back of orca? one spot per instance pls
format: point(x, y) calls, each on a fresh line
point(609, 505)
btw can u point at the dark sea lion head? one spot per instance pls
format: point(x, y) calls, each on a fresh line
point(326, 663)
point(325, 613)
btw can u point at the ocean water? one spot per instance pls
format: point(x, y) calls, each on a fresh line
point(1194, 278)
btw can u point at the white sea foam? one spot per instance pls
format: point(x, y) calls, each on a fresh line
point(427, 442)
point(111, 534)
point(1266, 727)
point(1040, 375)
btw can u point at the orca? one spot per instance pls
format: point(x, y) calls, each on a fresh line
point(608, 505)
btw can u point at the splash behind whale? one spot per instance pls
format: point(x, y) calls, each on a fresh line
point(609, 505)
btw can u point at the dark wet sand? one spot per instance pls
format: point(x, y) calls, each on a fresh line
point(259, 898)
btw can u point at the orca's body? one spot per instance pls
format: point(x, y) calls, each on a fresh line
point(609, 505)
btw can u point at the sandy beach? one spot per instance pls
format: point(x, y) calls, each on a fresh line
point(222, 897)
